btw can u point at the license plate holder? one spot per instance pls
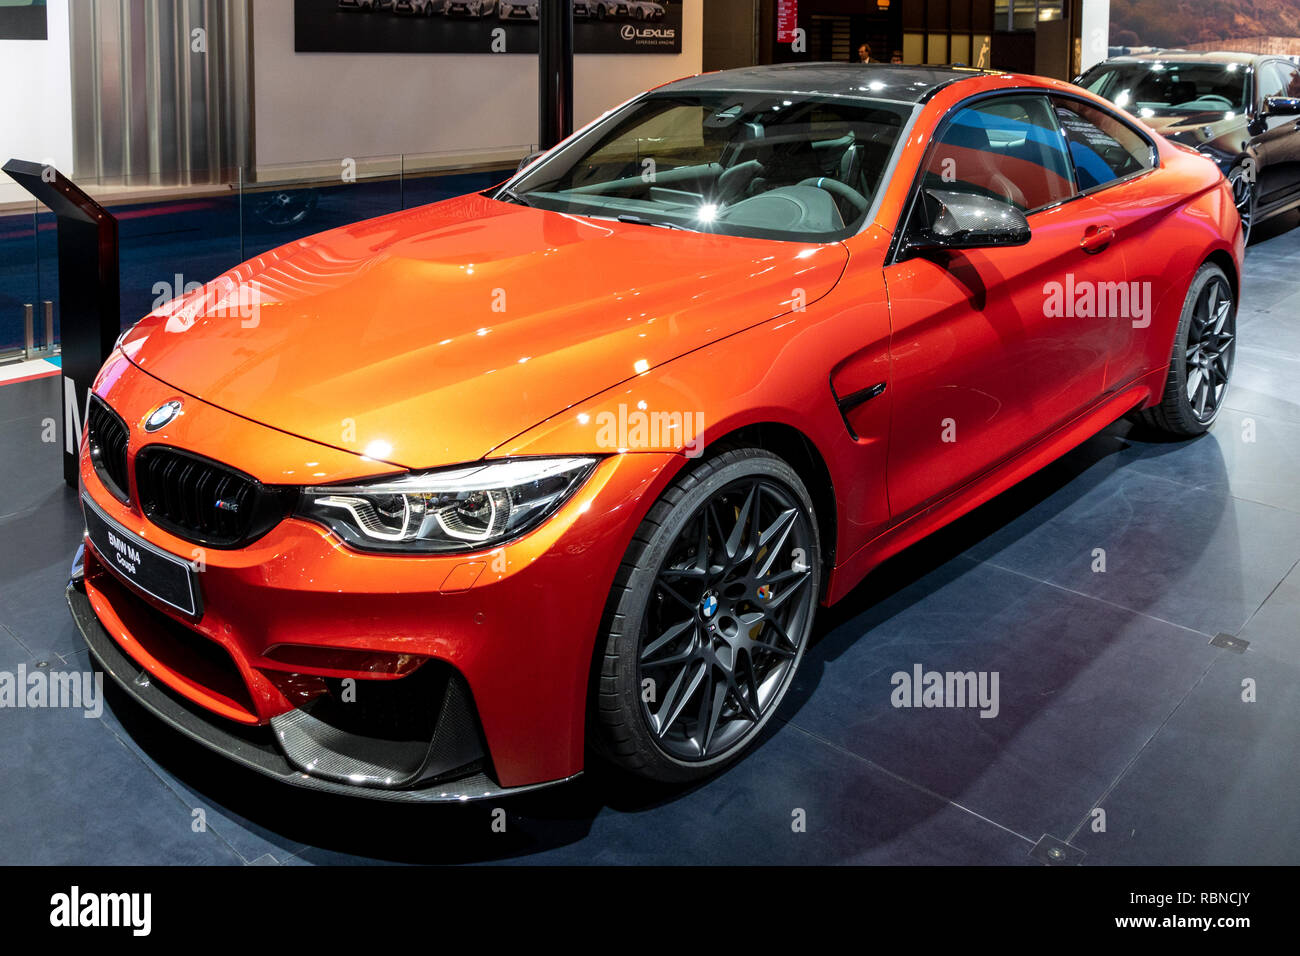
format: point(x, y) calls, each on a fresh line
point(146, 567)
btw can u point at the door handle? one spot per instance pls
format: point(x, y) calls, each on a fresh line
point(1096, 238)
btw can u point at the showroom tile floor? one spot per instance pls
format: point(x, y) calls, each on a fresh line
point(1122, 729)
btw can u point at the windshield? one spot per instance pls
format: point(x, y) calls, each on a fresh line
point(735, 163)
point(1162, 87)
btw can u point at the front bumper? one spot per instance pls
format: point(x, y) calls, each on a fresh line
point(296, 612)
point(252, 749)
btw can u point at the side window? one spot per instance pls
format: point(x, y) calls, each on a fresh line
point(1292, 76)
point(1103, 147)
point(1271, 81)
point(1008, 147)
point(1278, 79)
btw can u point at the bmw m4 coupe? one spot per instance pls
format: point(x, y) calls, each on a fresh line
point(451, 502)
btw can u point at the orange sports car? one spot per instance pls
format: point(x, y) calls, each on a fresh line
point(437, 505)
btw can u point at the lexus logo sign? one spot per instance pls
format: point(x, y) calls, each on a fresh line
point(630, 32)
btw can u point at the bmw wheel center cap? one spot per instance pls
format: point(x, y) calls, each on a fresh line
point(708, 605)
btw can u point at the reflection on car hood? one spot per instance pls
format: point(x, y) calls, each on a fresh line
point(1190, 128)
point(430, 336)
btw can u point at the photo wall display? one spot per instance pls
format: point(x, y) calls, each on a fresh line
point(481, 26)
point(1251, 26)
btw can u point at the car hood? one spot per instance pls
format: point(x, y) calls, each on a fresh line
point(429, 337)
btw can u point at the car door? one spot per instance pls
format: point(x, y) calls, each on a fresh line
point(1278, 144)
point(1112, 160)
point(989, 349)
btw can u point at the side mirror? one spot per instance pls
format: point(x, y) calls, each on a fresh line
point(530, 159)
point(1282, 106)
point(968, 221)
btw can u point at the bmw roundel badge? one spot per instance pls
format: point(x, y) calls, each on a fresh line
point(162, 415)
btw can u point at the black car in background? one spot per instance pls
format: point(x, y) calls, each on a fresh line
point(1241, 109)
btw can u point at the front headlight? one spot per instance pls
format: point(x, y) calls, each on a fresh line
point(458, 509)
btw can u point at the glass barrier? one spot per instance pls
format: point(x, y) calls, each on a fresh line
point(172, 236)
point(20, 271)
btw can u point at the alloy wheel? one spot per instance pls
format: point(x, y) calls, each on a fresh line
point(729, 613)
point(1211, 336)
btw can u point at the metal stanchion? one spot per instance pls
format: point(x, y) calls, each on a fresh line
point(48, 344)
point(29, 332)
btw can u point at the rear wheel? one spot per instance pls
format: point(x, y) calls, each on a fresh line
point(1201, 363)
point(709, 617)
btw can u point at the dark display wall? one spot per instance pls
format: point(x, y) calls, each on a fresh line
point(481, 26)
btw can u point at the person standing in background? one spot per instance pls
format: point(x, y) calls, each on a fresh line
point(864, 53)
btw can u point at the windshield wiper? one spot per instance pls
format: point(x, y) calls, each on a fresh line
point(509, 195)
point(638, 220)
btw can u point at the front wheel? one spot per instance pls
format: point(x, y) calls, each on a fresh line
point(1202, 358)
point(709, 617)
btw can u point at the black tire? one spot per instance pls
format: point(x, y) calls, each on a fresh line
point(622, 727)
point(1179, 413)
point(1245, 195)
